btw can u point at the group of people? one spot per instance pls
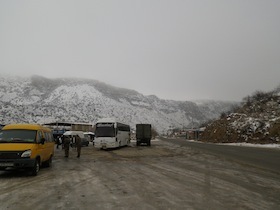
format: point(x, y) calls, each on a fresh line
point(74, 140)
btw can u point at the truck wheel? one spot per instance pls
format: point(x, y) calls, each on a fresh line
point(36, 168)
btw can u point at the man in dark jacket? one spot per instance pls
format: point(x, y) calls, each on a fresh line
point(66, 145)
point(78, 145)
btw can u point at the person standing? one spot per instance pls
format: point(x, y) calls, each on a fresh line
point(57, 142)
point(73, 141)
point(78, 145)
point(66, 145)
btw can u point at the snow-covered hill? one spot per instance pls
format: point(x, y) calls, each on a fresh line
point(41, 100)
point(256, 121)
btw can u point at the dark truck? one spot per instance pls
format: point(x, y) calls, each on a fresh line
point(143, 134)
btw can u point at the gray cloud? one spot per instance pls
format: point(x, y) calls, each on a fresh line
point(180, 50)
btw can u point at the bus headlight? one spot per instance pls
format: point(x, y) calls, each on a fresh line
point(26, 153)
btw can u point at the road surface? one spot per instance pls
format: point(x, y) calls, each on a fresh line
point(164, 176)
point(266, 158)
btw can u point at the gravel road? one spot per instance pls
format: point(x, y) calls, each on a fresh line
point(163, 176)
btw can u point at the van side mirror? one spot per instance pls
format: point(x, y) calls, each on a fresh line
point(42, 140)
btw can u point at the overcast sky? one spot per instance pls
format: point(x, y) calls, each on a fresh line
point(174, 49)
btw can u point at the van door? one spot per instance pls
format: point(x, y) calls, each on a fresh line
point(41, 147)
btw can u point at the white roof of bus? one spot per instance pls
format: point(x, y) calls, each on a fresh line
point(109, 120)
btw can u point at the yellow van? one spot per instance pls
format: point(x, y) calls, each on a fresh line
point(26, 146)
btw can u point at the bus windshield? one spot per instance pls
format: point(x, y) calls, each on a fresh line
point(18, 136)
point(105, 130)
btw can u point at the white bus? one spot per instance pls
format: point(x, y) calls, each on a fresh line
point(111, 134)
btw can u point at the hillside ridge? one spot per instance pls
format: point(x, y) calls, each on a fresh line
point(42, 100)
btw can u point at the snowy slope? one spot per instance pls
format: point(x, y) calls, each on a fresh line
point(256, 121)
point(42, 100)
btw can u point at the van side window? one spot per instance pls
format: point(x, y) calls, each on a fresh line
point(46, 136)
point(51, 137)
point(39, 136)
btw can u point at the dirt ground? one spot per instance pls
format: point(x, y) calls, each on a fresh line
point(163, 176)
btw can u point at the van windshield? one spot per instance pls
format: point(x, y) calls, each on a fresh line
point(18, 136)
point(105, 130)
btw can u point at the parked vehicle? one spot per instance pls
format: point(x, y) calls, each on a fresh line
point(143, 134)
point(110, 133)
point(90, 137)
point(26, 146)
point(85, 142)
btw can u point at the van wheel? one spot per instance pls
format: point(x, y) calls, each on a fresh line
point(36, 168)
point(49, 162)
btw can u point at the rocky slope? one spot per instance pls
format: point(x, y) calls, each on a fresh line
point(256, 121)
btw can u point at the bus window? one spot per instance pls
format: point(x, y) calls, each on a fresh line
point(105, 130)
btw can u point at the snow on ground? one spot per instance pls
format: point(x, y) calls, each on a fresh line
point(276, 146)
point(253, 145)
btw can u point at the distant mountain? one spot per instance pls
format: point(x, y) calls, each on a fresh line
point(257, 120)
point(41, 100)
